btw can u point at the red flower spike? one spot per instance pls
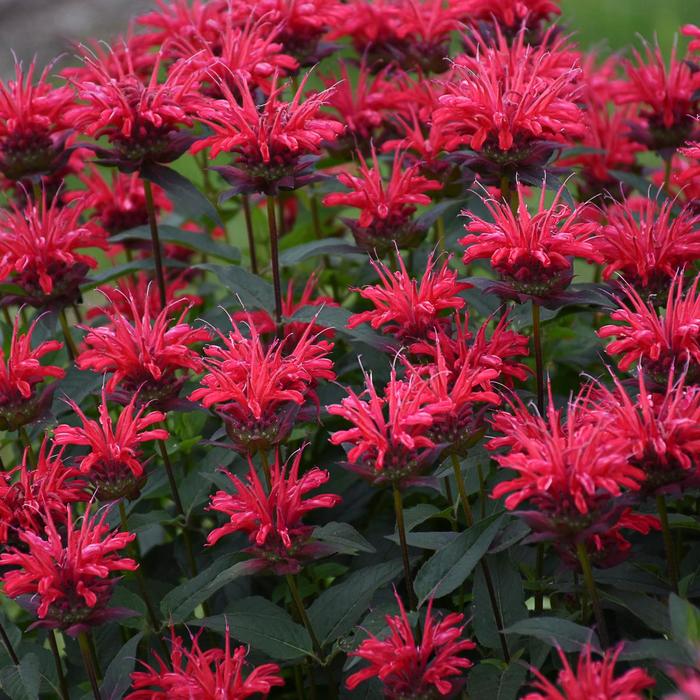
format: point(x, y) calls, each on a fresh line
point(386, 209)
point(39, 251)
point(33, 130)
point(273, 519)
point(687, 680)
point(20, 373)
point(145, 353)
point(431, 666)
point(646, 244)
point(113, 467)
point(273, 146)
point(68, 581)
point(658, 340)
point(28, 492)
point(194, 673)
point(531, 252)
point(141, 118)
point(569, 479)
point(389, 439)
point(407, 308)
point(510, 14)
point(693, 32)
point(592, 679)
point(258, 390)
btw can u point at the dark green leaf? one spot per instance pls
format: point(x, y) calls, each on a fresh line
point(199, 241)
point(343, 537)
point(641, 184)
point(337, 609)
point(251, 291)
point(22, 682)
point(109, 274)
point(452, 564)
point(556, 631)
point(645, 608)
point(263, 625)
point(489, 681)
point(685, 620)
point(76, 385)
point(664, 650)
point(117, 677)
point(326, 246)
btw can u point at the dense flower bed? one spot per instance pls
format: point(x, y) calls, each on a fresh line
point(374, 379)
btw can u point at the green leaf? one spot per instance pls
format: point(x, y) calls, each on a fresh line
point(335, 612)
point(326, 246)
point(22, 682)
point(117, 677)
point(488, 681)
point(664, 650)
point(77, 385)
point(263, 625)
point(182, 600)
point(641, 184)
point(452, 564)
point(645, 608)
point(343, 537)
point(200, 242)
point(510, 598)
point(109, 274)
point(556, 631)
point(252, 291)
point(186, 198)
point(685, 620)
point(195, 487)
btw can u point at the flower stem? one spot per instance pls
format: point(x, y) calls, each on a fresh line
point(27, 443)
point(539, 573)
point(245, 201)
point(668, 542)
point(463, 498)
point(155, 240)
point(89, 662)
point(301, 611)
point(178, 505)
point(668, 172)
point(8, 645)
point(315, 216)
point(274, 258)
point(266, 469)
point(70, 343)
point(585, 562)
point(401, 527)
point(539, 366)
point(440, 233)
point(65, 695)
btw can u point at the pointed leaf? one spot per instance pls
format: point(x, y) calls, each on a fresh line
point(489, 681)
point(22, 682)
point(117, 678)
point(556, 631)
point(326, 246)
point(252, 291)
point(343, 537)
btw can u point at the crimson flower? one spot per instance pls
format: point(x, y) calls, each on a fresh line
point(646, 243)
point(33, 130)
point(113, 467)
point(20, 373)
point(512, 105)
point(658, 339)
point(39, 251)
point(592, 679)
point(388, 439)
point(273, 519)
point(386, 209)
point(668, 95)
point(407, 308)
point(68, 578)
point(509, 14)
point(430, 666)
point(687, 682)
point(273, 146)
point(194, 673)
point(532, 253)
point(686, 174)
point(145, 353)
point(141, 118)
point(567, 476)
point(258, 390)
point(29, 492)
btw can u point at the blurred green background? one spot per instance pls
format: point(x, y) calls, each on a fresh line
point(617, 23)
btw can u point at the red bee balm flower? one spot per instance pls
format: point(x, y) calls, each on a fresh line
point(142, 119)
point(409, 668)
point(68, 581)
point(20, 373)
point(509, 13)
point(113, 466)
point(39, 251)
point(658, 340)
point(592, 679)
point(32, 126)
point(386, 209)
point(410, 309)
point(28, 493)
point(273, 519)
point(646, 245)
point(273, 146)
point(389, 438)
point(531, 252)
point(193, 674)
point(144, 353)
point(259, 390)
